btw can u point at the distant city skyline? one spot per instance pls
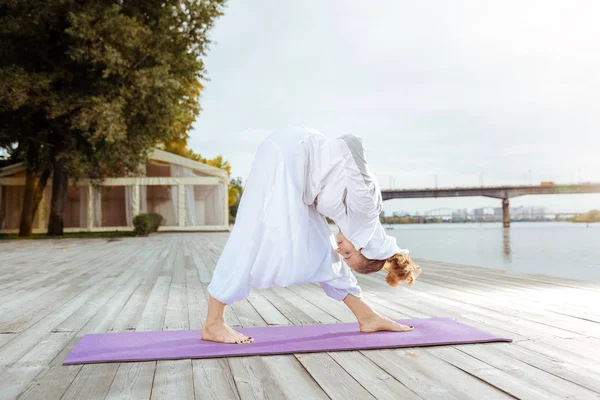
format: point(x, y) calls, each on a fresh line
point(556, 203)
point(473, 211)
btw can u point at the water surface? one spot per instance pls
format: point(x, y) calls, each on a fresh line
point(560, 249)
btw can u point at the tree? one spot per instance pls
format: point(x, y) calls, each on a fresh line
point(28, 125)
point(236, 195)
point(591, 216)
point(109, 79)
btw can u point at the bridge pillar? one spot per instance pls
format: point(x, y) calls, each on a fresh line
point(505, 213)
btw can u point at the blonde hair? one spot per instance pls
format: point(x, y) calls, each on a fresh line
point(400, 268)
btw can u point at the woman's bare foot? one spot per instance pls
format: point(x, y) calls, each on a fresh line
point(376, 323)
point(371, 321)
point(221, 333)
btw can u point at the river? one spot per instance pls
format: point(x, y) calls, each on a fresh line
point(560, 249)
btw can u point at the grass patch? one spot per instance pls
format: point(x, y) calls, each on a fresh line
point(69, 235)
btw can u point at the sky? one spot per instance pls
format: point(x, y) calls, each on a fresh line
point(470, 92)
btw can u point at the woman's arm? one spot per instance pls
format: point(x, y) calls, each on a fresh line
point(363, 197)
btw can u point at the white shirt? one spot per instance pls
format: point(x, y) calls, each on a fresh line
point(340, 183)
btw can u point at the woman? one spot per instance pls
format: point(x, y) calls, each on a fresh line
point(281, 237)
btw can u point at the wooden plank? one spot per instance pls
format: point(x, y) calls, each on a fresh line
point(376, 380)
point(213, 379)
point(19, 321)
point(576, 372)
point(319, 295)
point(424, 309)
point(292, 379)
point(247, 314)
point(92, 382)
point(305, 306)
point(44, 308)
point(6, 337)
point(52, 383)
point(429, 377)
point(154, 312)
point(459, 311)
point(197, 302)
point(473, 283)
point(178, 264)
point(17, 377)
point(176, 316)
point(296, 316)
point(253, 380)
point(173, 380)
point(131, 312)
point(530, 374)
point(133, 381)
point(333, 379)
point(197, 261)
point(78, 319)
point(105, 317)
point(516, 386)
point(516, 306)
point(95, 380)
point(580, 351)
point(269, 313)
point(336, 309)
point(20, 345)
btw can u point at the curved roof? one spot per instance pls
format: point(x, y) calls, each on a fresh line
point(157, 154)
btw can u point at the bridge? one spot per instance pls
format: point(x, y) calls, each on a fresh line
point(503, 193)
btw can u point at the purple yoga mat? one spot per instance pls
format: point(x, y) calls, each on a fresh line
point(172, 345)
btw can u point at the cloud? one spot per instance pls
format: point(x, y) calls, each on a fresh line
point(447, 88)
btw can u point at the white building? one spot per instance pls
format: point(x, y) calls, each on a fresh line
point(189, 195)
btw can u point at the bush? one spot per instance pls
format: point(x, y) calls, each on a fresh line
point(141, 225)
point(155, 221)
point(145, 224)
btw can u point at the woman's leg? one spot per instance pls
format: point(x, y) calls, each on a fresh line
point(215, 329)
point(371, 321)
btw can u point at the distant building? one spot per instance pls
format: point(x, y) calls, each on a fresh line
point(191, 196)
point(486, 214)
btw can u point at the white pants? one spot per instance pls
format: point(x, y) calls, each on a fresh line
point(277, 239)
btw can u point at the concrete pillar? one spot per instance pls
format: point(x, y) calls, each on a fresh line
point(505, 213)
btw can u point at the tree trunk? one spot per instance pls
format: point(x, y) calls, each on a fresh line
point(60, 182)
point(27, 214)
point(33, 195)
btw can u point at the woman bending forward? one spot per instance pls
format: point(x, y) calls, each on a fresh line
point(281, 238)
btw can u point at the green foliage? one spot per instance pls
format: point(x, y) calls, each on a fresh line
point(141, 224)
point(97, 84)
point(401, 220)
point(236, 190)
point(592, 216)
point(145, 224)
point(155, 221)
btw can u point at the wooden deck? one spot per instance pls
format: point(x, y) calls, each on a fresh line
point(53, 292)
